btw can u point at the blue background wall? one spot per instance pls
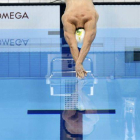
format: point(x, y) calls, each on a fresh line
point(23, 64)
point(108, 53)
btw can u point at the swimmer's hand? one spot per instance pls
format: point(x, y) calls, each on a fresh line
point(80, 71)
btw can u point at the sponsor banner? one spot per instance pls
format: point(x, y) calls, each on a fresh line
point(30, 29)
point(29, 17)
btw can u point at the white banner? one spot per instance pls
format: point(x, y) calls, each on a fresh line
point(29, 28)
point(29, 17)
point(118, 16)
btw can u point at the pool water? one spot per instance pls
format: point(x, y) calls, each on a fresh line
point(20, 95)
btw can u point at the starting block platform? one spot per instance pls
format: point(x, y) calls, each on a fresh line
point(63, 80)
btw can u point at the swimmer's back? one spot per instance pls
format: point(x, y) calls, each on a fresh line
point(78, 5)
point(78, 12)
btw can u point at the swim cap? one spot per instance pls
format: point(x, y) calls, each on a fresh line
point(80, 33)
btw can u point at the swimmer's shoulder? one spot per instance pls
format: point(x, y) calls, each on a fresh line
point(69, 17)
point(65, 17)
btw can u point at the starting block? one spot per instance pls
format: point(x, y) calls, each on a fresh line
point(63, 81)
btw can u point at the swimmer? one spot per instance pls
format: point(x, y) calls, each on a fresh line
point(79, 14)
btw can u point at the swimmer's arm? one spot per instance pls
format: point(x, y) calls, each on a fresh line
point(69, 34)
point(71, 40)
point(88, 39)
point(90, 33)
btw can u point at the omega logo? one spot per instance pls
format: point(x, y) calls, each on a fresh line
point(13, 15)
point(14, 42)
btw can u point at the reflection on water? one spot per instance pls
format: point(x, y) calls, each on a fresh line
point(76, 105)
point(129, 116)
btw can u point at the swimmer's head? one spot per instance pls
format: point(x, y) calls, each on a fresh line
point(80, 33)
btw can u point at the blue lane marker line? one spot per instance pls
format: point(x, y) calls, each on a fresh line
point(39, 112)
